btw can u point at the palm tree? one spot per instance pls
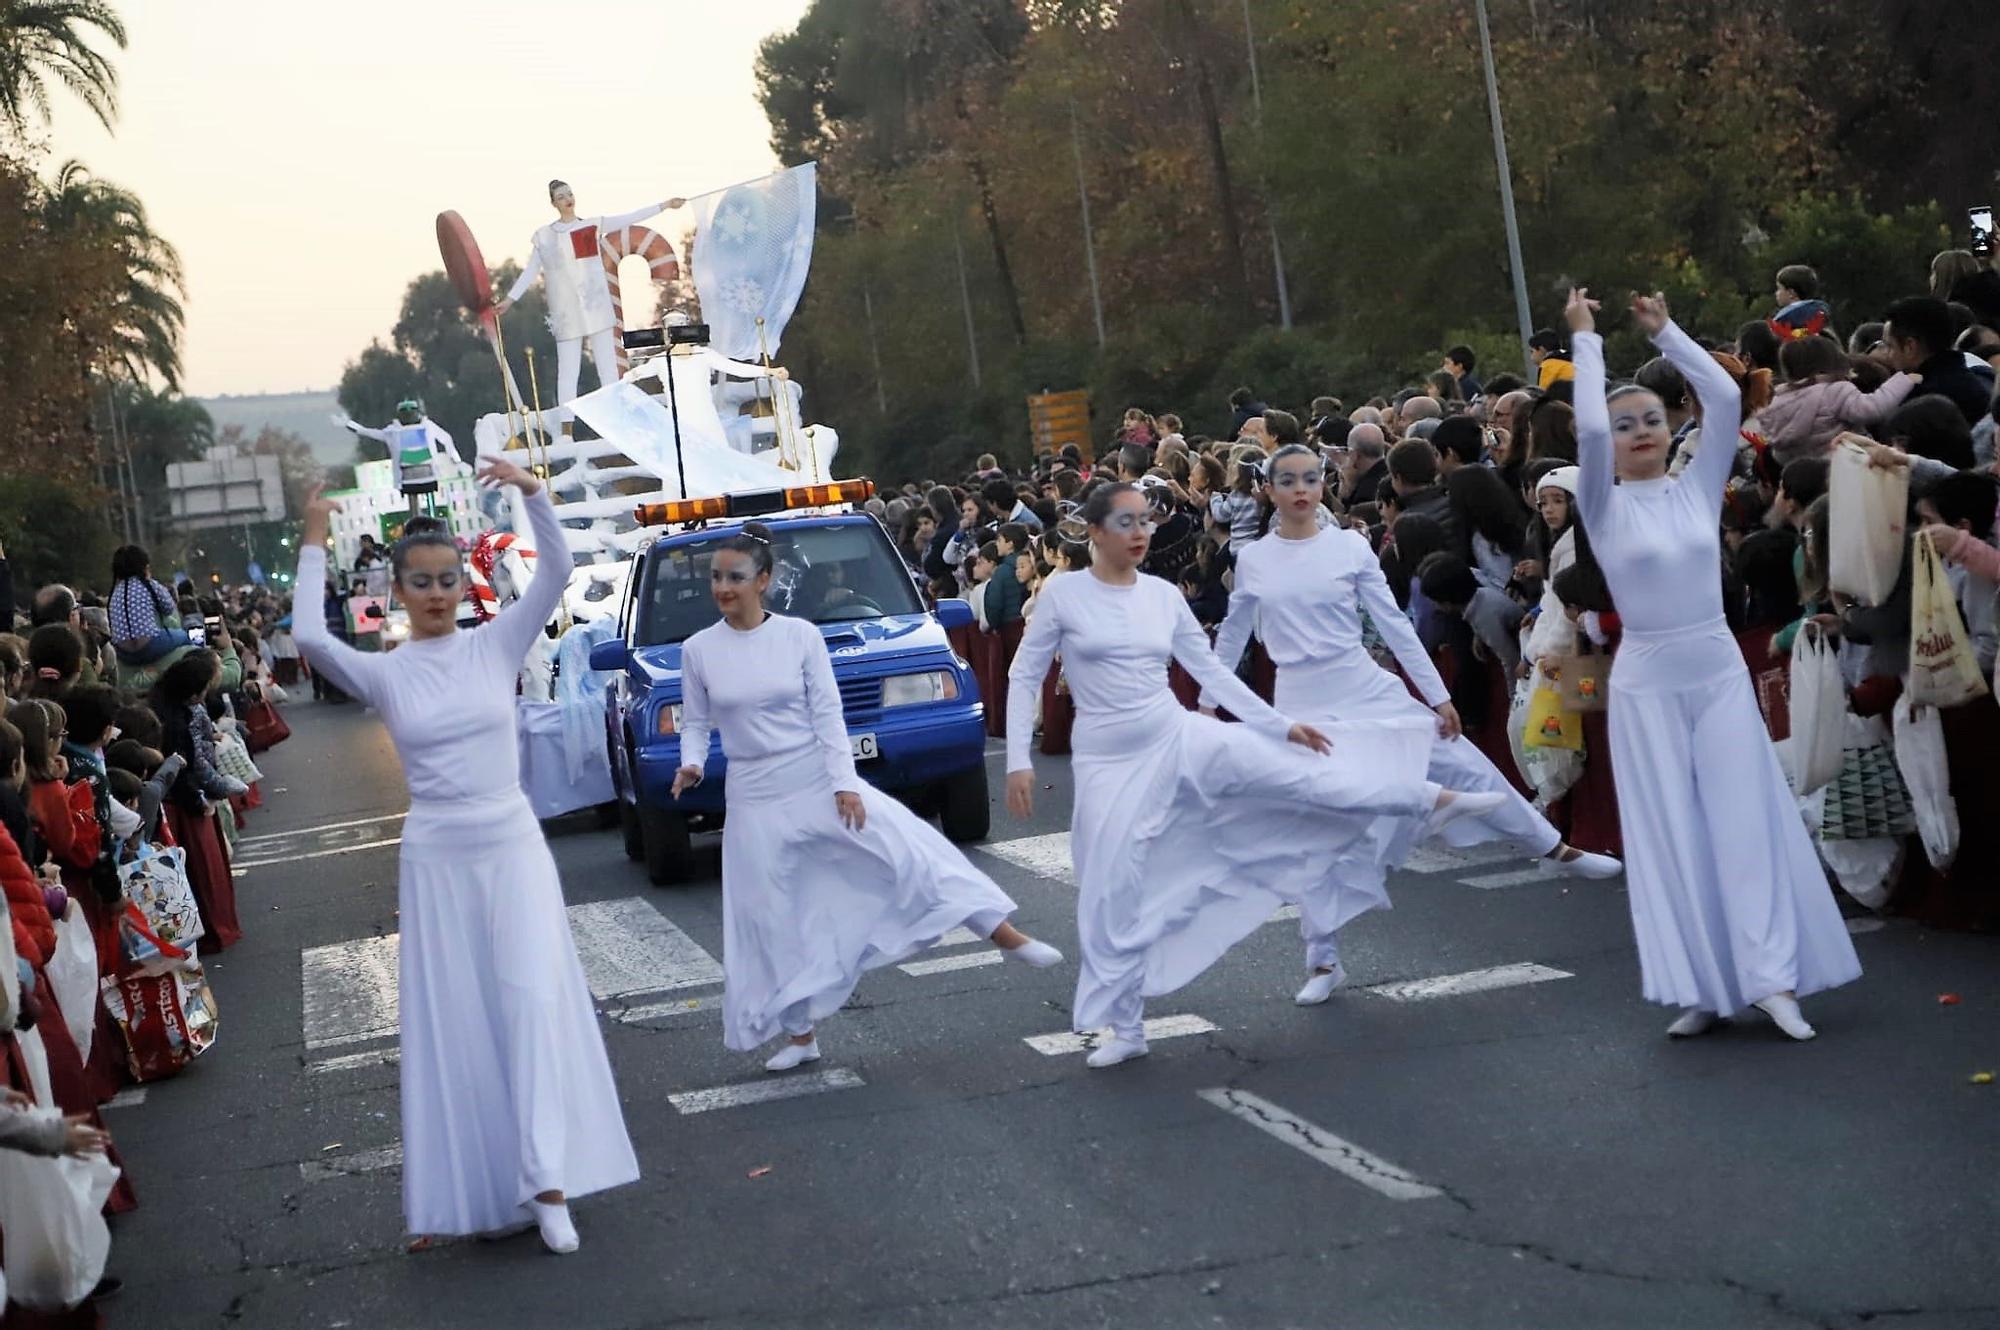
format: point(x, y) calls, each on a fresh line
point(44, 39)
point(147, 317)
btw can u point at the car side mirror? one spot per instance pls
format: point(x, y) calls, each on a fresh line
point(955, 614)
point(611, 656)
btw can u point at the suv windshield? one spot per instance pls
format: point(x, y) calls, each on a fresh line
point(824, 573)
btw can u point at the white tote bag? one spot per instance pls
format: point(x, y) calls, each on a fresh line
point(72, 973)
point(1920, 757)
point(1819, 712)
point(52, 1211)
point(1868, 510)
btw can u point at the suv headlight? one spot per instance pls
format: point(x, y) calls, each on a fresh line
point(669, 721)
point(908, 690)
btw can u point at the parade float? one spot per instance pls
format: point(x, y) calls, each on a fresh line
point(693, 406)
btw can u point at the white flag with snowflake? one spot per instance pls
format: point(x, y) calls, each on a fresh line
point(752, 248)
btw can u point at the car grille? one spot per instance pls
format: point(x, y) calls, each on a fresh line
point(860, 698)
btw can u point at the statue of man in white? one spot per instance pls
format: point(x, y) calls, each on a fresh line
point(565, 255)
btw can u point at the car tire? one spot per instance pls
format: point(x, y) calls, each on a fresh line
point(965, 810)
point(628, 823)
point(666, 845)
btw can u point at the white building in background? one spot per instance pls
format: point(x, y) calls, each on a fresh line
point(376, 507)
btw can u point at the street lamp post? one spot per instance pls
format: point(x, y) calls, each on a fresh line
point(1257, 104)
point(1521, 313)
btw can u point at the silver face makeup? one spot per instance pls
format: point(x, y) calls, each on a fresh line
point(730, 576)
point(1292, 480)
point(1127, 523)
point(445, 581)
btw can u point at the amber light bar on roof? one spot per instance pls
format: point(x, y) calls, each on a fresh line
point(754, 504)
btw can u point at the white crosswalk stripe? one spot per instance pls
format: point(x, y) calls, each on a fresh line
point(1156, 1027)
point(1472, 981)
point(333, 1166)
point(1315, 1142)
point(970, 960)
point(766, 1091)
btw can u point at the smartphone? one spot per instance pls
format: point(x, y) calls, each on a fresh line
point(212, 626)
point(1981, 220)
point(198, 635)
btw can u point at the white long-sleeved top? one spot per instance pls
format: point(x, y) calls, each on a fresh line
point(615, 222)
point(1116, 642)
point(1553, 634)
point(771, 693)
point(1658, 541)
point(1304, 599)
point(448, 701)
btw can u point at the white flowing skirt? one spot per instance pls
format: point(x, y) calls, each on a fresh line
point(1729, 902)
point(506, 1089)
point(809, 905)
point(1187, 833)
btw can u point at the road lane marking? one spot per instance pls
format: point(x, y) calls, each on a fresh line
point(1518, 878)
point(654, 1011)
point(1438, 857)
point(1865, 924)
point(958, 937)
point(1282, 913)
point(627, 947)
point(1315, 1142)
point(968, 960)
point(130, 1097)
point(249, 864)
point(343, 1166)
point(1157, 1027)
point(373, 1057)
point(1472, 981)
point(766, 1091)
point(314, 831)
point(1045, 856)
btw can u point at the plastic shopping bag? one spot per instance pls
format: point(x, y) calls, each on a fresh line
point(1584, 681)
point(52, 1212)
point(1920, 757)
point(72, 973)
point(1868, 514)
point(1550, 772)
point(1818, 713)
point(157, 882)
point(1549, 726)
point(168, 1020)
point(1943, 669)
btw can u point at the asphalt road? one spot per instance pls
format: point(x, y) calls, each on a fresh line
point(1522, 1148)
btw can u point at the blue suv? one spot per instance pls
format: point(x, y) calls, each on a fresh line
point(914, 713)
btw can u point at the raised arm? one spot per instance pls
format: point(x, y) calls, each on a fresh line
point(1232, 639)
point(1721, 408)
point(355, 671)
point(380, 436)
point(1597, 461)
point(1032, 659)
point(515, 629)
point(1398, 632)
point(829, 722)
point(637, 215)
point(1191, 649)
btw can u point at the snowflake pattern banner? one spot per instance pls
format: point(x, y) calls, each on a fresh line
point(752, 249)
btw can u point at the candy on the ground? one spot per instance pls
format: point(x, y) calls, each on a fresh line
point(1947, 999)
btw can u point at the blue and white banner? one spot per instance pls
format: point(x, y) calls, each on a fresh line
point(752, 250)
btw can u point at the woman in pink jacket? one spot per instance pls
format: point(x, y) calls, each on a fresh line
point(1817, 400)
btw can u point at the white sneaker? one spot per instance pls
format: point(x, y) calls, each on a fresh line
point(791, 1055)
point(1784, 1011)
point(1117, 1049)
point(1320, 987)
point(1596, 867)
point(1692, 1022)
point(1462, 805)
point(558, 1233)
point(1038, 954)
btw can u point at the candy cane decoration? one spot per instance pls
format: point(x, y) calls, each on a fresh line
point(649, 245)
point(487, 551)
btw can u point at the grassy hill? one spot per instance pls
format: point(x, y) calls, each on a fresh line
point(307, 414)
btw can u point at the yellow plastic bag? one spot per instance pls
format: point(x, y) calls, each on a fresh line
point(1549, 726)
point(1943, 670)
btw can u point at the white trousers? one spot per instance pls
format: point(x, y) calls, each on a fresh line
point(569, 365)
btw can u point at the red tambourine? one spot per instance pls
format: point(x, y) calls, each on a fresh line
point(464, 265)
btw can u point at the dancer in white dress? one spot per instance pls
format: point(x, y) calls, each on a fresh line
point(823, 878)
point(1729, 903)
point(1187, 833)
point(508, 1104)
point(1303, 589)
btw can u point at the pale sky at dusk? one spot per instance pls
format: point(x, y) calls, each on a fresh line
point(298, 155)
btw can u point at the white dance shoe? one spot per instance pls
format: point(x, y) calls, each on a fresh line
point(793, 1055)
point(1320, 987)
point(558, 1233)
point(1117, 1049)
point(1694, 1021)
point(1462, 805)
point(1784, 1012)
point(1038, 954)
point(1596, 867)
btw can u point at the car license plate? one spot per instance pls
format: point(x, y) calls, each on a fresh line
point(865, 747)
